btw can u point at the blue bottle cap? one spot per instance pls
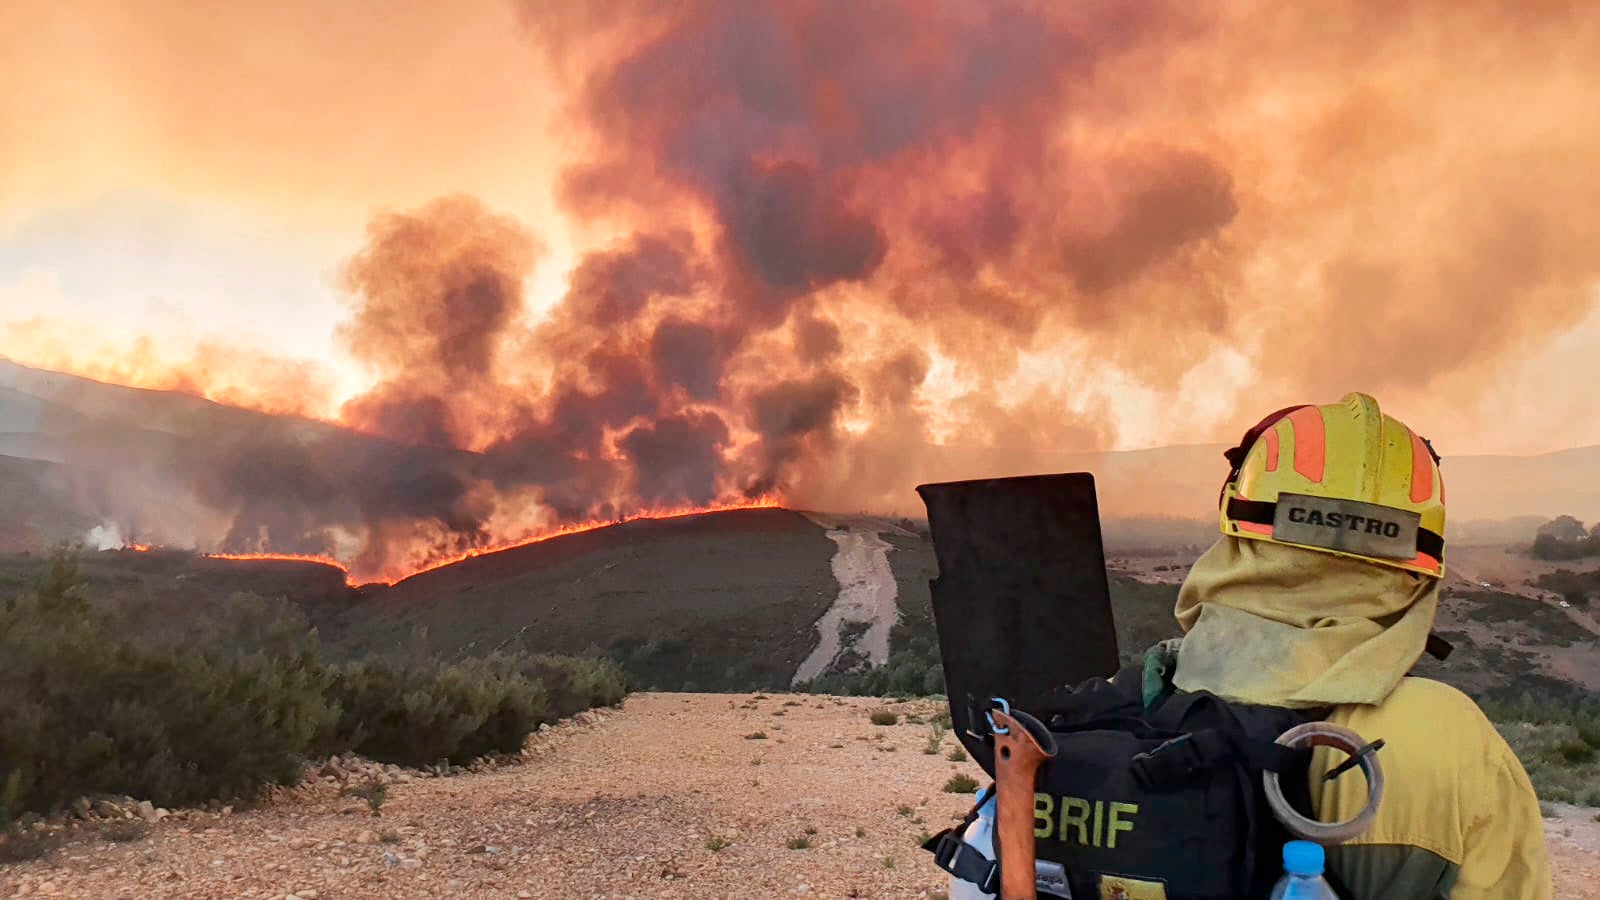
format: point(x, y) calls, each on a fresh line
point(1302, 858)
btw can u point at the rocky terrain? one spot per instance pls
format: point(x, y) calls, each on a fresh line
point(673, 795)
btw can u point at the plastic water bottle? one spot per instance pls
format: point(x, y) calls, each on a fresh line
point(979, 834)
point(1302, 874)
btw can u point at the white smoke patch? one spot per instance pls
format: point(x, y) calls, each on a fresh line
point(105, 537)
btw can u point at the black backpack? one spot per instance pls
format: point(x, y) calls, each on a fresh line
point(1138, 795)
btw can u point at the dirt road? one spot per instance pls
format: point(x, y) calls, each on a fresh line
point(629, 804)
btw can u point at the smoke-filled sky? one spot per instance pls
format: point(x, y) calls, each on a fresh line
point(646, 252)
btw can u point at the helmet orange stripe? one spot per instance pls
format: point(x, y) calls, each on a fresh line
point(1271, 437)
point(1421, 470)
point(1310, 442)
point(1424, 561)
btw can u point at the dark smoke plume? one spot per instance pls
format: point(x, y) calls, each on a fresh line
point(867, 244)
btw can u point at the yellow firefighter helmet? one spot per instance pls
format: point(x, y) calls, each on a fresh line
point(1340, 478)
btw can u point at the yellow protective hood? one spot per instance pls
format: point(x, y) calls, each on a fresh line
point(1279, 625)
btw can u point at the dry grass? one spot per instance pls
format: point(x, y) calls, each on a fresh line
point(126, 831)
point(24, 844)
point(960, 783)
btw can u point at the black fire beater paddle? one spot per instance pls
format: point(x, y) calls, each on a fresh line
point(1021, 603)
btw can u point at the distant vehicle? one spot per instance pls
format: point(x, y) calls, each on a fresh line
point(1565, 605)
point(1485, 584)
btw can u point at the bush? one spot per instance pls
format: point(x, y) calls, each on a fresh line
point(885, 717)
point(573, 684)
point(89, 708)
point(425, 713)
point(960, 784)
point(1559, 761)
point(418, 713)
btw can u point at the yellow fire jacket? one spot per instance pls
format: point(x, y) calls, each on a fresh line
point(1459, 819)
point(1288, 627)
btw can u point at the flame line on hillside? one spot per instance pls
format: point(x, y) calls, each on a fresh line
point(766, 502)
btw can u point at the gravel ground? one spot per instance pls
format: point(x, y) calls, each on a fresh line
point(618, 803)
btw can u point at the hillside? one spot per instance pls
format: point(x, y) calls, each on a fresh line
point(170, 468)
point(714, 601)
point(44, 490)
point(173, 469)
point(734, 601)
point(720, 601)
point(670, 796)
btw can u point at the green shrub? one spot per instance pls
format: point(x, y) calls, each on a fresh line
point(574, 684)
point(424, 713)
point(884, 717)
point(1577, 752)
point(1561, 766)
point(89, 709)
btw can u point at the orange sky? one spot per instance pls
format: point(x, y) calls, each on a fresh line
point(214, 164)
point(181, 183)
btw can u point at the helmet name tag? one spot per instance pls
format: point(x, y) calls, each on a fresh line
point(1348, 526)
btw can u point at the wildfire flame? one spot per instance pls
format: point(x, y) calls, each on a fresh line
point(765, 502)
point(139, 548)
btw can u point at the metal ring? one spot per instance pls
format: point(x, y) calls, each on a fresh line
point(988, 714)
point(1324, 734)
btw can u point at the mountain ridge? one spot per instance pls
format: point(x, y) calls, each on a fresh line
point(130, 455)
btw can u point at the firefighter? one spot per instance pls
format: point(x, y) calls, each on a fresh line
point(1322, 593)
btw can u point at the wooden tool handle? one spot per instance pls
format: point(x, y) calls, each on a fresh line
point(1017, 758)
